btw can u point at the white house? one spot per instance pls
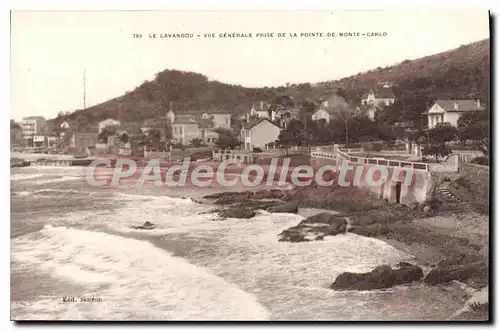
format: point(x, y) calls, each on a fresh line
point(260, 110)
point(106, 123)
point(259, 134)
point(321, 114)
point(380, 97)
point(220, 120)
point(65, 125)
point(330, 107)
point(450, 110)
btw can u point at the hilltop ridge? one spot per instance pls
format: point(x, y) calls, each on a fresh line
point(461, 73)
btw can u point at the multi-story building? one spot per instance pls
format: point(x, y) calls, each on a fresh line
point(259, 134)
point(32, 126)
point(185, 131)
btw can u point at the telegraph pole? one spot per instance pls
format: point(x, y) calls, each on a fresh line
point(84, 91)
point(346, 131)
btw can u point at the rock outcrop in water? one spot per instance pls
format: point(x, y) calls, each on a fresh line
point(245, 204)
point(290, 207)
point(315, 227)
point(227, 198)
point(381, 277)
point(16, 163)
point(237, 213)
point(145, 226)
point(475, 274)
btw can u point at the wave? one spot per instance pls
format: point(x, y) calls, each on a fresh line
point(55, 180)
point(20, 193)
point(21, 176)
point(135, 280)
point(50, 190)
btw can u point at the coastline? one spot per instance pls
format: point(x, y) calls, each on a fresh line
point(364, 211)
point(436, 239)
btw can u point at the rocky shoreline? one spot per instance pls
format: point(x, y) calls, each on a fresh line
point(453, 257)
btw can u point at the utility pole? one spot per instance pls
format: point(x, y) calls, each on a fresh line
point(84, 91)
point(346, 130)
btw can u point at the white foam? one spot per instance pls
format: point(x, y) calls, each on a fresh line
point(22, 193)
point(21, 176)
point(135, 280)
point(55, 180)
point(50, 190)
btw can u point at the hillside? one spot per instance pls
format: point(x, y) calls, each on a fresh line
point(460, 73)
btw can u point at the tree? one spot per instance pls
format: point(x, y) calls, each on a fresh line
point(168, 130)
point(124, 138)
point(345, 114)
point(154, 139)
point(107, 132)
point(82, 122)
point(14, 125)
point(475, 126)
point(227, 139)
point(438, 137)
point(285, 139)
point(442, 133)
point(197, 142)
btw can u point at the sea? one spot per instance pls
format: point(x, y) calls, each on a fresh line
point(75, 256)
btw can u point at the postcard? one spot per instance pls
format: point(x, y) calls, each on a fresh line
point(250, 165)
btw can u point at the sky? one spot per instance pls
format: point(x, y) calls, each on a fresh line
point(50, 50)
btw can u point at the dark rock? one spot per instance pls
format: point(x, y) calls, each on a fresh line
point(145, 226)
point(289, 207)
point(404, 264)
point(227, 194)
point(335, 223)
point(17, 163)
point(297, 238)
point(231, 199)
point(459, 259)
point(265, 194)
point(255, 204)
point(319, 238)
point(237, 213)
point(228, 198)
point(316, 226)
point(380, 277)
point(373, 230)
point(476, 273)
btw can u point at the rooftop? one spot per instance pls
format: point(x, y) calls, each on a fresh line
point(383, 93)
point(459, 105)
point(253, 123)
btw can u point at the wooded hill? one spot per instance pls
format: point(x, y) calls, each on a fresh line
point(461, 73)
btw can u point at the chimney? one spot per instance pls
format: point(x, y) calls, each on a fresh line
point(273, 115)
point(261, 104)
point(248, 117)
point(478, 102)
point(455, 105)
